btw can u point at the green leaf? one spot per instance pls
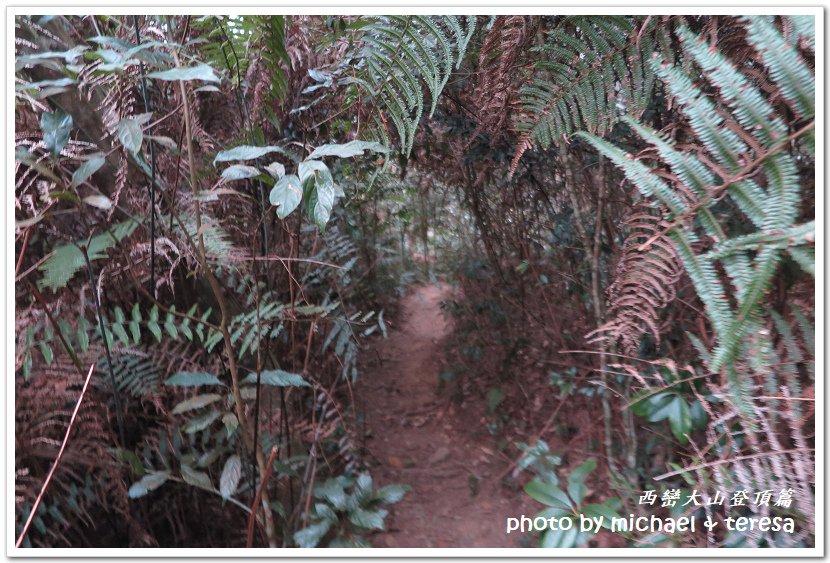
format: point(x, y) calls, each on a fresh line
point(390, 494)
point(276, 170)
point(231, 475)
point(576, 480)
point(680, 420)
point(352, 148)
point(149, 482)
point(608, 513)
point(324, 190)
point(87, 169)
point(560, 538)
point(130, 134)
point(286, 195)
point(46, 350)
point(200, 422)
point(196, 478)
point(239, 172)
point(198, 72)
point(56, 127)
point(170, 325)
point(278, 378)
point(549, 494)
point(196, 402)
point(333, 491)
point(119, 331)
point(495, 396)
point(368, 519)
point(363, 487)
point(310, 536)
point(192, 379)
point(245, 152)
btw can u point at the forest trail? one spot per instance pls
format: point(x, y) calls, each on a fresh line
point(419, 438)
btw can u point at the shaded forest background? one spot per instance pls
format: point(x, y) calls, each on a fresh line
point(222, 214)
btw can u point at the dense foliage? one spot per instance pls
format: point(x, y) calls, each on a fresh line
point(219, 213)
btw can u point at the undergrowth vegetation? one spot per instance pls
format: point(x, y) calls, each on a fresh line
point(220, 214)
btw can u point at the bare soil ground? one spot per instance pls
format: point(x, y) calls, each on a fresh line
point(442, 450)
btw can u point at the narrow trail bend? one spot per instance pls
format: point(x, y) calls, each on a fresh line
point(418, 438)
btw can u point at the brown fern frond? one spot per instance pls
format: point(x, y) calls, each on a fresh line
point(500, 63)
point(644, 285)
point(88, 474)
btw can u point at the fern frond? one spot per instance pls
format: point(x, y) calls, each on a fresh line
point(644, 282)
point(66, 260)
point(592, 69)
point(402, 55)
point(741, 133)
point(500, 62)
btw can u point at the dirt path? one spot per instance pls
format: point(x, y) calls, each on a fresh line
point(417, 437)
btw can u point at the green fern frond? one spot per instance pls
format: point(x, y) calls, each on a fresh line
point(68, 259)
point(592, 69)
point(402, 55)
point(733, 127)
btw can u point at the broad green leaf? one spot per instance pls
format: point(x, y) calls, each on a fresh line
point(245, 152)
point(680, 420)
point(333, 491)
point(323, 190)
point(549, 494)
point(200, 422)
point(363, 487)
point(286, 195)
point(276, 169)
point(198, 72)
point(278, 378)
point(390, 494)
point(346, 150)
point(231, 474)
point(56, 127)
point(593, 510)
point(196, 478)
point(196, 402)
point(311, 535)
point(368, 519)
point(149, 482)
point(130, 134)
point(87, 169)
point(553, 512)
point(313, 169)
point(576, 481)
point(192, 379)
point(561, 538)
point(239, 172)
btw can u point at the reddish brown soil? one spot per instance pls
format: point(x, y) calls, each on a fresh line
point(441, 450)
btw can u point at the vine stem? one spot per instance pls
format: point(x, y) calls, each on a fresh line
point(216, 289)
point(152, 187)
point(57, 460)
point(250, 539)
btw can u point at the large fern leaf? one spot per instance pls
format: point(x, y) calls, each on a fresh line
point(591, 70)
point(400, 58)
point(744, 157)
